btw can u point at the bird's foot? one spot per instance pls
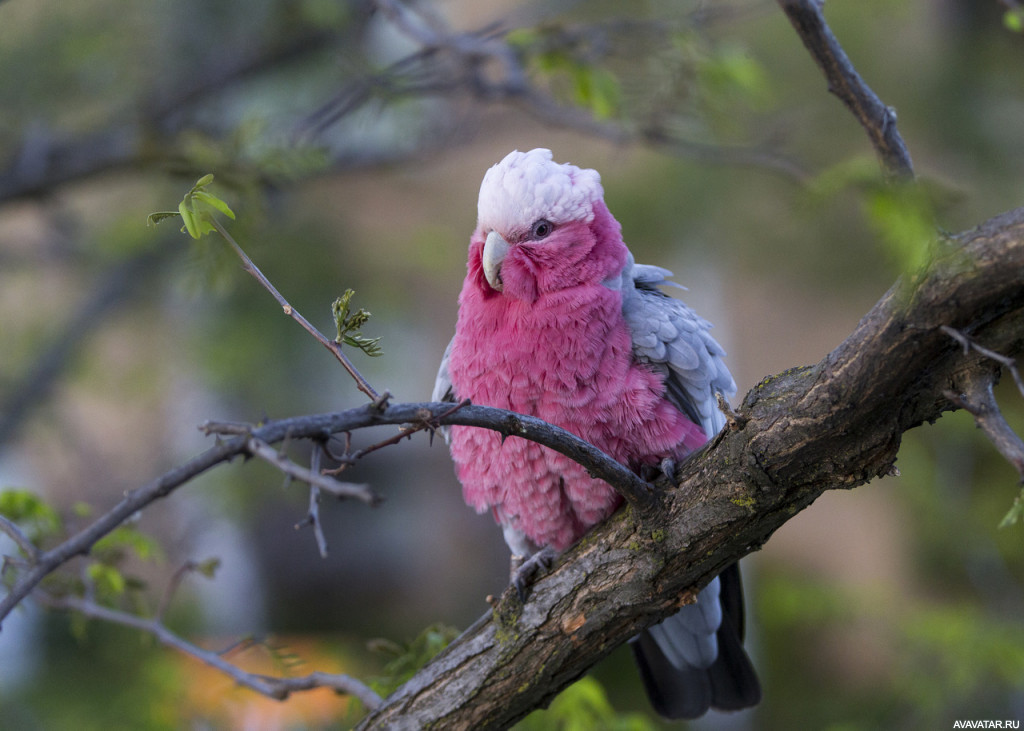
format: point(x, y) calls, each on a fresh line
point(525, 570)
point(662, 475)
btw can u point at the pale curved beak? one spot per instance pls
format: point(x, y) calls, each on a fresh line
point(495, 251)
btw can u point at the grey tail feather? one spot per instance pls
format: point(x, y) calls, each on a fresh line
point(729, 684)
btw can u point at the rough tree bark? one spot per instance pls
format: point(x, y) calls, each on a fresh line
point(836, 424)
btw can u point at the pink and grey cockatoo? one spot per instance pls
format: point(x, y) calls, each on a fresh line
point(557, 321)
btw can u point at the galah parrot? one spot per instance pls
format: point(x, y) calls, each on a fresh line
point(557, 321)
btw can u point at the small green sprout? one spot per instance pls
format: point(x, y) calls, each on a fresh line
point(349, 323)
point(194, 209)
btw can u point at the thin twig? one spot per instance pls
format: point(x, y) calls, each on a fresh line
point(978, 399)
point(233, 428)
point(313, 514)
point(427, 421)
point(734, 420)
point(877, 119)
point(273, 687)
point(27, 546)
point(329, 485)
point(172, 588)
point(968, 344)
point(980, 402)
point(335, 347)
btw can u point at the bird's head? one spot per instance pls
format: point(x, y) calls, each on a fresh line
point(542, 227)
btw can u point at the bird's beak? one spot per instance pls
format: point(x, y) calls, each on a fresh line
point(495, 250)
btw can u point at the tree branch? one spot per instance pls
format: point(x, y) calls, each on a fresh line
point(975, 396)
point(877, 119)
point(15, 533)
point(320, 427)
point(264, 451)
point(277, 688)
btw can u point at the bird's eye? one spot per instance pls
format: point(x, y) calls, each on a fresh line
point(541, 229)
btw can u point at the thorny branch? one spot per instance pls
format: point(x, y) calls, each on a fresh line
point(319, 427)
point(406, 431)
point(172, 588)
point(313, 513)
point(313, 478)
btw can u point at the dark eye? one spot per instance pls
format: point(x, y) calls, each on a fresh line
point(541, 229)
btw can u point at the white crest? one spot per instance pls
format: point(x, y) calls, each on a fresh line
point(527, 186)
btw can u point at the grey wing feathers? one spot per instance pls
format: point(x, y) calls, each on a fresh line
point(683, 686)
point(676, 342)
point(443, 388)
point(687, 638)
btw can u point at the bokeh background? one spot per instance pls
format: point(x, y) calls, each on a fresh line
point(896, 605)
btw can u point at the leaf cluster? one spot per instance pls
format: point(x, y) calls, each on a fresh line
point(349, 324)
point(406, 658)
point(33, 515)
point(195, 209)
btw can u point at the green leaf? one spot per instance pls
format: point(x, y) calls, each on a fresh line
point(1015, 512)
point(733, 72)
point(903, 216)
point(1013, 20)
point(595, 88)
point(154, 218)
point(190, 223)
point(904, 219)
point(215, 202)
point(208, 567)
point(108, 581)
point(31, 513)
point(197, 223)
point(407, 658)
point(349, 323)
point(126, 539)
point(582, 706)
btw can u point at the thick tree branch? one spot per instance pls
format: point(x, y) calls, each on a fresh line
point(877, 119)
point(836, 424)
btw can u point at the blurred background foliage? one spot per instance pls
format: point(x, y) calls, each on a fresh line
point(352, 157)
